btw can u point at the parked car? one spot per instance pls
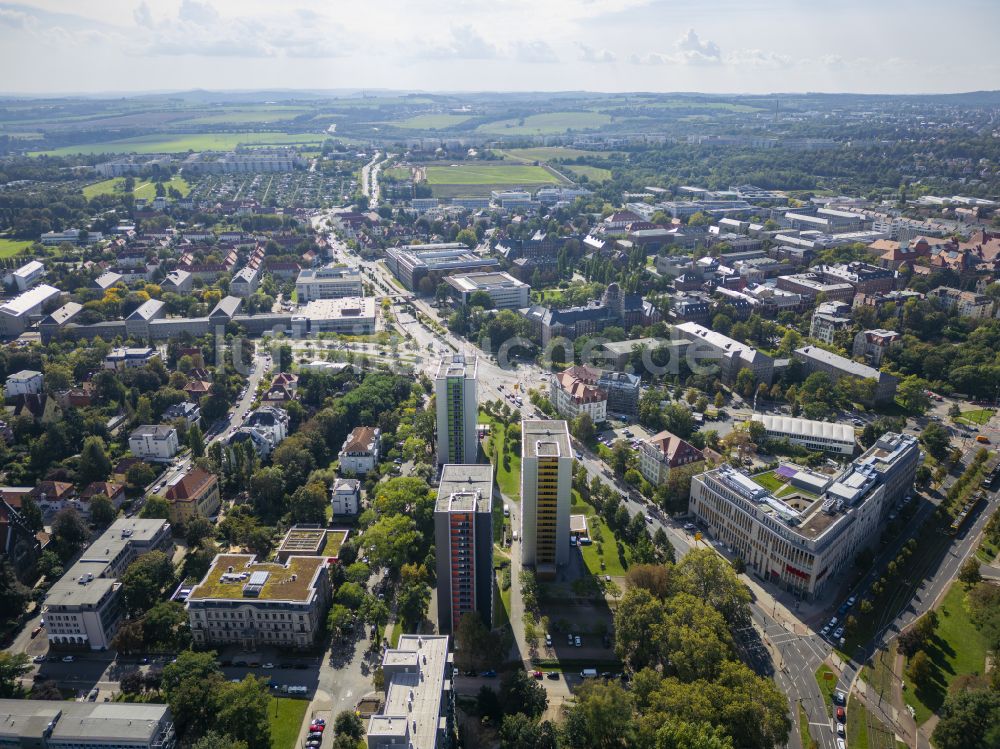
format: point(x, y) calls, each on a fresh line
point(841, 715)
point(537, 674)
point(577, 642)
point(851, 601)
point(548, 640)
point(553, 675)
point(489, 674)
point(838, 633)
point(569, 639)
point(839, 698)
point(68, 659)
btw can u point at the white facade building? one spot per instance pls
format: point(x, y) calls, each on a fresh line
point(154, 442)
point(360, 452)
point(328, 282)
point(822, 436)
point(25, 382)
point(505, 291)
point(575, 392)
point(345, 497)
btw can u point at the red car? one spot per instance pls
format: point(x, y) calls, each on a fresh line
point(537, 674)
point(841, 715)
point(317, 727)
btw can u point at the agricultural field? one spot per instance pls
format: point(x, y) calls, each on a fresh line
point(550, 123)
point(592, 173)
point(398, 172)
point(488, 174)
point(430, 121)
point(11, 247)
point(184, 142)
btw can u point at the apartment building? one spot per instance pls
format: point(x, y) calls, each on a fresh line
point(419, 707)
point(130, 358)
point(873, 345)
point(361, 451)
point(154, 442)
point(806, 540)
point(623, 391)
point(65, 724)
point(345, 497)
point(575, 392)
point(26, 276)
point(546, 488)
point(820, 360)
point(662, 453)
point(457, 409)
point(821, 436)
point(252, 604)
point(965, 303)
point(17, 313)
point(193, 494)
point(328, 282)
point(463, 537)
point(85, 608)
point(505, 291)
point(864, 277)
point(710, 348)
point(828, 318)
point(25, 382)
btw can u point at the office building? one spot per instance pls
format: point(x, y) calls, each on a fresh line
point(864, 277)
point(193, 494)
point(662, 453)
point(62, 724)
point(419, 706)
point(72, 236)
point(25, 382)
point(546, 488)
point(806, 540)
point(352, 315)
point(137, 322)
point(811, 285)
point(85, 608)
point(505, 291)
point(457, 410)
point(249, 604)
point(154, 442)
point(575, 392)
point(873, 345)
point(820, 360)
point(463, 538)
point(411, 264)
point(827, 319)
point(328, 282)
point(26, 276)
point(361, 451)
point(246, 280)
point(820, 436)
point(709, 348)
point(623, 391)
point(16, 314)
point(615, 308)
point(127, 358)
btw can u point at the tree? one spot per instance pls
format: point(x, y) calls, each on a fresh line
point(348, 723)
point(476, 646)
point(969, 720)
point(467, 237)
point(969, 572)
point(102, 511)
point(215, 740)
point(692, 735)
point(744, 382)
point(601, 717)
point(192, 684)
point(198, 529)
point(520, 693)
point(912, 394)
point(518, 731)
point(155, 507)
point(94, 464)
point(145, 580)
point(242, 712)
point(196, 441)
point(936, 439)
point(267, 491)
point(308, 503)
point(69, 531)
point(12, 667)
point(920, 669)
point(165, 627)
point(707, 576)
point(637, 615)
point(582, 428)
point(340, 619)
point(391, 540)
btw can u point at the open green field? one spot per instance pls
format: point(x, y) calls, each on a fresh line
point(601, 557)
point(551, 153)
point(11, 247)
point(252, 115)
point(957, 648)
point(488, 174)
point(430, 121)
point(592, 173)
point(398, 172)
point(183, 142)
point(286, 715)
point(147, 190)
point(723, 106)
point(550, 123)
point(978, 417)
point(508, 471)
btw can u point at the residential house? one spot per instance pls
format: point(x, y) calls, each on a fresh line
point(662, 453)
point(190, 412)
point(360, 452)
point(194, 494)
point(575, 391)
point(153, 442)
point(345, 497)
point(25, 382)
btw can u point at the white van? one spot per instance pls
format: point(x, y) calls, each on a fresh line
point(297, 690)
point(514, 536)
point(506, 511)
point(588, 673)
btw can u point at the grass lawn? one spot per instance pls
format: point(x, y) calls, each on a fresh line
point(592, 173)
point(550, 153)
point(501, 613)
point(12, 247)
point(334, 540)
point(550, 123)
point(857, 724)
point(252, 115)
point(808, 742)
point(286, 715)
point(508, 472)
point(957, 648)
point(431, 121)
point(395, 633)
point(147, 190)
point(606, 550)
point(489, 174)
point(183, 142)
point(398, 172)
point(827, 681)
point(978, 416)
point(769, 481)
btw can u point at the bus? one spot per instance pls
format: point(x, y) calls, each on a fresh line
point(960, 520)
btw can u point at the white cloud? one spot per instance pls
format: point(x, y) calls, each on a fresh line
point(464, 43)
point(15, 18)
point(691, 50)
point(534, 52)
point(591, 54)
point(758, 58)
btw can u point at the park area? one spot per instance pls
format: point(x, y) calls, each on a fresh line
point(976, 417)
point(142, 189)
point(479, 179)
point(549, 123)
point(11, 247)
point(286, 715)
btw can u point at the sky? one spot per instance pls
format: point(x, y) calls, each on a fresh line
point(725, 46)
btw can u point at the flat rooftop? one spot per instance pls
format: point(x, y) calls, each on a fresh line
point(87, 721)
point(545, 438)
point(292, 581)
point(473, 281)
point(457, 366)
point(465, 488)
point(413, 699)
point(305, 540)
